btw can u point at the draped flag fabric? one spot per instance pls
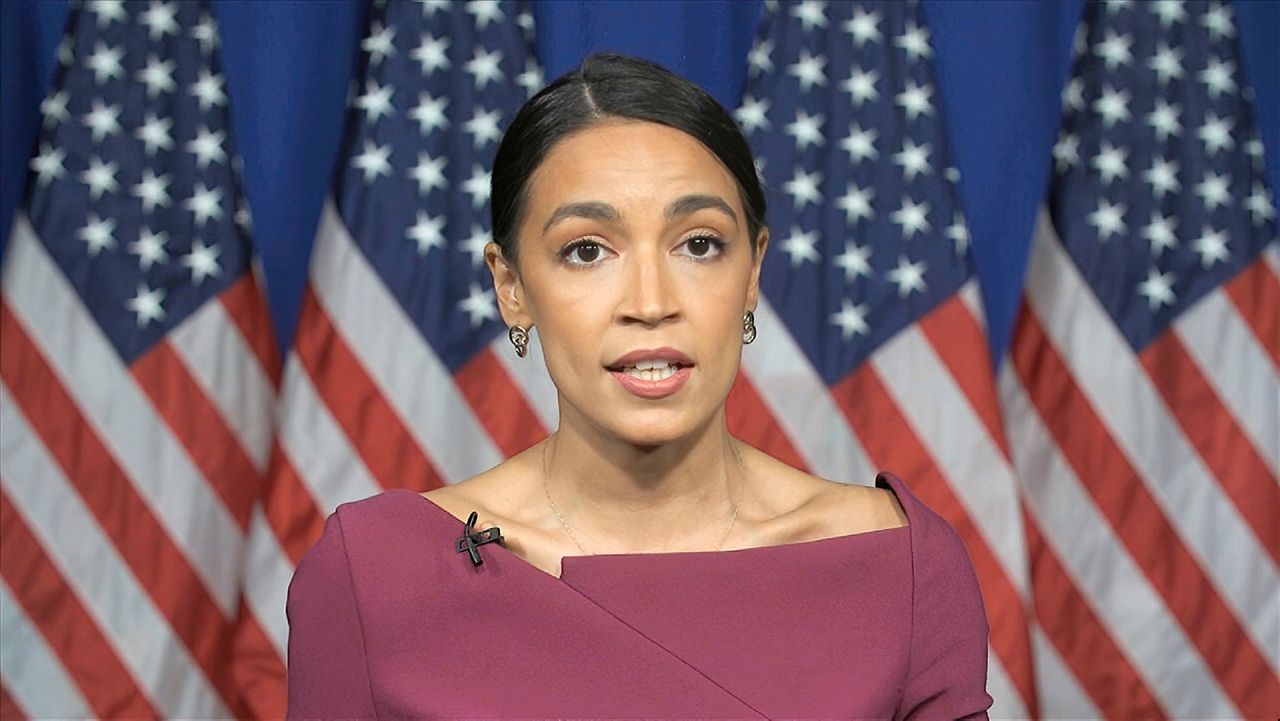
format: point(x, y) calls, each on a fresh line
point(138, 376)
point(1141, 390)
point(872, 351)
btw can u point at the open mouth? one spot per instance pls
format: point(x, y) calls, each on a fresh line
point(656, 370)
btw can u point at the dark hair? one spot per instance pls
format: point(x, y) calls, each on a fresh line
point(609, 85)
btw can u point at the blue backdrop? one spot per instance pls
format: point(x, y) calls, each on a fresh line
point(1000, 68)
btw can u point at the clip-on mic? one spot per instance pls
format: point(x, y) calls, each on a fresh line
point(472, 539)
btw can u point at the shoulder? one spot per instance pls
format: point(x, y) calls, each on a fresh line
point(934, 540)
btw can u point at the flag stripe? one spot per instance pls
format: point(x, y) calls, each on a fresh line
point(750, 420)
point(290, 511)
point(53, 651)
point(496, 400)
point(267, 574)
point(1256, 294)
point(1057, 688)
point(246, 306)
point(9, 708)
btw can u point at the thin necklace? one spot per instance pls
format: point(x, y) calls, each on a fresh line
point(574, 536)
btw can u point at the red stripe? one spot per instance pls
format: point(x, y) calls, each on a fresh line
point(55, 609)
point(140, 539)
point(1255, 291)
point(1070, 623)
point(257, 671)
point(1155, 545)
point(194, 419)
point(751, 421)
point(960, 342)
point(892, 443)
point(499, 404)
point(9, 708)
point(290, 509)
point(373, 426)
point(1219, 440)
point(247, 306)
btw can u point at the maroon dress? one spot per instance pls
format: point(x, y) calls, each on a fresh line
point(387, 619)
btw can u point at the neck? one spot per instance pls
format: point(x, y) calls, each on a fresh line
point(619, 497)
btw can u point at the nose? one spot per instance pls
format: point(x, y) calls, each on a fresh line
point(649, 294)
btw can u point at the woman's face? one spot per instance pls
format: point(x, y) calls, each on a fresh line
point(634, 250)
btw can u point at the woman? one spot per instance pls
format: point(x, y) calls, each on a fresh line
point(650, 564)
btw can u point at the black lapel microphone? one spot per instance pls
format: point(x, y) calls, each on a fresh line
point(472, 539)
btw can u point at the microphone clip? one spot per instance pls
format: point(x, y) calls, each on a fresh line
point(472, 539)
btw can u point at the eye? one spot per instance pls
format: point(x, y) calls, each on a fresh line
point(583, 253)
point(703, 246)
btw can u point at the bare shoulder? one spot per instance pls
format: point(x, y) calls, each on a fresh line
point(493, 494)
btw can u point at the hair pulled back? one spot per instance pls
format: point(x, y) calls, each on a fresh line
point(605, 86)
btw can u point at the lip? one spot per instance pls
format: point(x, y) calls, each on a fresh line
point(665, 353)
point(653, 389)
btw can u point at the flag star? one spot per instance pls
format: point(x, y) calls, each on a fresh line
point(806, 129)
point(202, 261)
point(1216, 134)
point(1066, 152)
point(376, 100)
point(475, 245)
point(484, 68)
point(861, 86)
point(154, 133)
point(380, 44)
point(863, 26)
point(951, 174)
point(107, 11)
point(102, 120)
point(205, 203)
point(152, 190)
point(149, 247)
point(908, 276)
point(809, 70)
point(1217, 77)
point(856, 203)
point(532, 78)
point(105, 63)
point(524, 20)
point(429, 173)
point(800, 247)
point(855, 261)
point(477, 186)
point(1108, 219)
point(803, 188)
point(157, 76)
point(754, 114)
point(1163, 177)
point(374, 161)
point(479, 305)
point(851, 319)
point(1158, 289)
point(432, 54)
point(1218, 22)
point(914, 99)
point(1073, 94)
point(1080, 43)
point(915, 41)
point(429, 7)
point(1114, 50)
point(1160, 233)
point(1212, 247)
point(97, 234)
point(147, 305)
point(1214, 190)
point(1164, 119)
point(485, 12)
point(66, 50)
point(912, 216)
point(54, 108)
point(100, 177)
point(47, 165)
point(811, 14)
point(427, 232)
point(958, 234)
point(483, 126)
point(759, 60)
point(1113, 105)
point(1169, 12)
point(207, 147)
point(861, 144)
point(913, 158)
point(1111, 162)
point(1167, 62)
point(1259, 204)
point(205, 32)
point(1115, 6)
point(429, 113)
point(208, 89)
point(160, 19)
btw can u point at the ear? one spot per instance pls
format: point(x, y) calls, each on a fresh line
point(753, 289)
point(508, 287)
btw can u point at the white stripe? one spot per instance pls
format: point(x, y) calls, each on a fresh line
point(1238, 368)
point(971, 296)
point(956, 438)
point(1108, 374)
point(530, 374)
point(87, 561)
point(221, 361)
point(30, 669)
point(1271, 254)
point(267, 572)
point(1099, 565)
point(314, 444)
point(1006, 702)
point(1060, 696)
point(91, 371)
point(802, 404)
point(401, 363)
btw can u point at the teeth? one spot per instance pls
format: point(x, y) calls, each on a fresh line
point(652, 365)
point(651, 374)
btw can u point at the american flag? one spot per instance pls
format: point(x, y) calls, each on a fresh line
point(1141, 390)
point(872, 351)
point(138, 376)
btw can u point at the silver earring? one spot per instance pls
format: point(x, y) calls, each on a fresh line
point(748, 327)
point(519, 338)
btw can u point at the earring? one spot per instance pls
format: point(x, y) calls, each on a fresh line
point(519, 338)
point(748, 327)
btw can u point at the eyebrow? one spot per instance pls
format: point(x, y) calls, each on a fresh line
point(693, 203)
point(600, 210)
